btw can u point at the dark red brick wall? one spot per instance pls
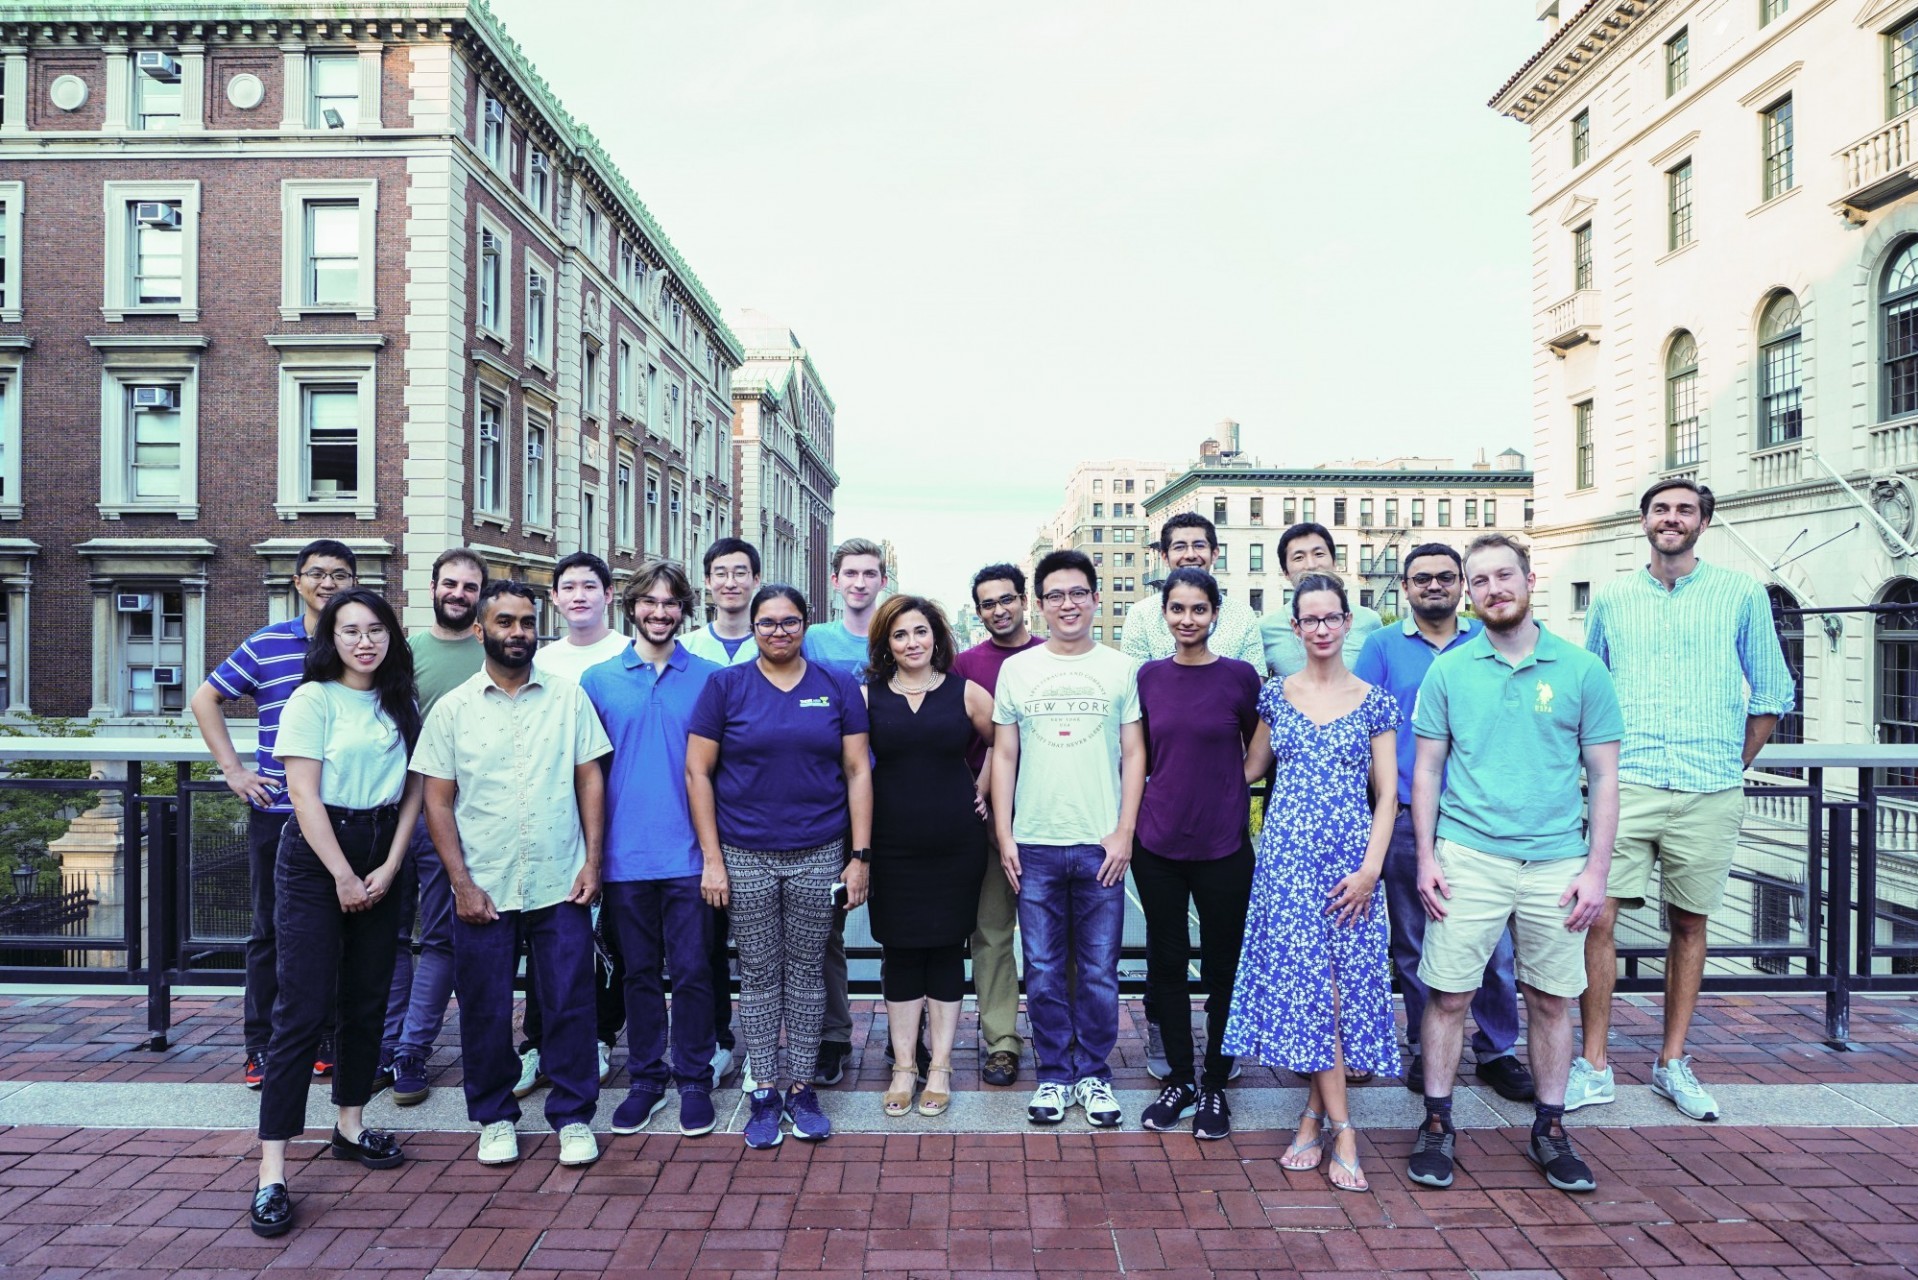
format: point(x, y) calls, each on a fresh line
point(221, 66)
point(44, 68)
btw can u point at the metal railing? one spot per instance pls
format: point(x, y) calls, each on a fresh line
point(151, 890)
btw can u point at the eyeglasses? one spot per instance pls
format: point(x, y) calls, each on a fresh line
point(1078, 595)
point(1003, 602)
point(661, 606)
point(352, 636)
point(338, 577)
point(731, 575)
point(782, 626)
point(1322, 624)
point(1446, 579)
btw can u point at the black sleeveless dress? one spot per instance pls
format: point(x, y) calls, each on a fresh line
point(928, 843)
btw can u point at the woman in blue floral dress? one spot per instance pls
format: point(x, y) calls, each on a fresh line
point(1313, 992)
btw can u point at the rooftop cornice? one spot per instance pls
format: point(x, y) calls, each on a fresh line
point(1244, 477)
point(1581, 42)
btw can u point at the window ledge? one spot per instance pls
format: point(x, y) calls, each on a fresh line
point(11, 315)
point(493, 518)
point(355, 508)
point(358, 312)
point(12, 511)
point(116, 314)
point(625, 549)
point(1775, 201)
point(537, 531)
point(114, 510)
point(1669, 254)
point(505, 344)
point(542, 363)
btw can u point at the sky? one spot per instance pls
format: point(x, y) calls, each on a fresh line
point(1018, 235)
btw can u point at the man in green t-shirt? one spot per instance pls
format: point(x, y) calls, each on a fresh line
point(445, 656)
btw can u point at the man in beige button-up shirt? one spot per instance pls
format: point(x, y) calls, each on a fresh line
point(515, 803)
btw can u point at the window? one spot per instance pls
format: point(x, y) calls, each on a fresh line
point(152, 650)
point(10, 497)
point(1770, 11)
point(624, 372)
point(495, 262)
point(676, 519)
point(333, 90)
point(155, 448)
point(1491, 513)
point(1098, 486)
point(12, 205)
point(1781, 393)
point(1366, 553)
point(1098, 511)
point(1391, 512)
point(493, 130)
point(1528, 513)
point(1338, 511)
point(326, 245)
point(1778, 171)
point(539, 181)
point(158, 92)
point(1471, 513)
point(1678, 62)
point(1366, 595)
point(652, 399)
point(1902, 67)
point(1218, 562)
point(1099, 535)
point(1255, 558)
point(1291, 511)
point(149, 429)
point(1218, 511)
point(1897, 644)
point(489, 458)
point(589, 377)
point(1418, 513)
point(330, 438)
point(1581, 137)
point(589, 231)
point(1098, 635)
point(536, 510)
point(1338, 557)
point(1678, 206)
point(6, 652)
point(623, 502)
point(1444, 513)
point(589, 522)
point(326, 454)
point(1307, 507)
point(1581, 598)
point(1256, 598)
point(1582, 257)
point(1898, 308)
point(1584, 453)
point(539, 311)
point(1257, 508)
point(1790, 625)
point(1365, 513)
point(152, 258)
point(1681, 402)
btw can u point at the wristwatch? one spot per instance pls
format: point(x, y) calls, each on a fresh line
point(862, 855)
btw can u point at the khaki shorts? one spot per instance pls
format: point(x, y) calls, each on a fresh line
point(1489, 891)
point(1691, 835)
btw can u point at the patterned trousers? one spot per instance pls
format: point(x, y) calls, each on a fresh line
point(782, 914)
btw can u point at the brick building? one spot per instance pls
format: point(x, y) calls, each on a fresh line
point(301, 270)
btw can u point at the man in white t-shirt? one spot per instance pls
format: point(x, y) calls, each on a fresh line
point(732, 578)
point(1068, 771)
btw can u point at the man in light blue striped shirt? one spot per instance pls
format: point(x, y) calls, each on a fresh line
point(1702, 681)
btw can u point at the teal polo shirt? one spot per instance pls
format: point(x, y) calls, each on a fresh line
point(1516, 734)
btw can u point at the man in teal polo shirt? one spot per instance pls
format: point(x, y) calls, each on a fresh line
point(1514, 712)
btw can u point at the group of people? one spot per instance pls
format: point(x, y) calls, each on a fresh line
point(1463, 799)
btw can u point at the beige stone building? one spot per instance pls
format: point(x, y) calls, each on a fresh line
point(1104, 515)
point(783, 476)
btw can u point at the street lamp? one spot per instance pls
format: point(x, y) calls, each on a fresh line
point(23, 877)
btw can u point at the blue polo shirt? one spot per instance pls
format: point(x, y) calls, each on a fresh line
point(1396, 658)
point(830, 645)
point(1516, 734)
point(267, 667)
point(646, 711)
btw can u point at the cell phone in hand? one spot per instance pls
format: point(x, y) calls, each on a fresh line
point(840, 898)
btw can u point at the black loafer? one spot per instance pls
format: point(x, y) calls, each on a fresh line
point(1509, 1078)
point(1002, 1068)
point(272, 1210)
point(376, 1149)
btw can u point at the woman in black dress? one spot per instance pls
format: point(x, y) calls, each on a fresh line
point(928, 836)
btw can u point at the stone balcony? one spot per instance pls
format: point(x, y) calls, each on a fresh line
point(1878, 168)
point(1573, 320)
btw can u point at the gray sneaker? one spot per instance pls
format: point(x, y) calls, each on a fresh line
point(1588, 1086)
point(1155, 1064)
point(1675, 1080)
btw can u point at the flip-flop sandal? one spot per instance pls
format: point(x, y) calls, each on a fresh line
point(1294, 1151)
point(1351, 1167)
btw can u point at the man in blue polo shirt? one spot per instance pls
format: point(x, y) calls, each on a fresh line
point(1515, 711)
point(268, 667)
point(650, 900)
point(1397, 658)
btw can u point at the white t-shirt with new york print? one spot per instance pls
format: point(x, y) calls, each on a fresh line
point(1069, 708)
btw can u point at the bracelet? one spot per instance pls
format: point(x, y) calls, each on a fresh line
point(862, 855)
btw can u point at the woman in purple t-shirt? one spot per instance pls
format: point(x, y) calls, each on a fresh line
point(1193, 847)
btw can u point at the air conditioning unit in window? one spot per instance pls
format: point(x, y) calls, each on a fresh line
point(539, 163)
point(652, 499)
point(325, 487)
point(488, 433)
point(128, 602)
point(156, 213)
point(158, 65)
point(535, 450)
point(166, 676)
point(489, 244)
point(537, 288)
point(495, 111)
point(675, 506)
point(156, 398)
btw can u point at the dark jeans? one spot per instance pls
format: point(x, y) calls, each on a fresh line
point(262, 979)
point(663, 922)
point(722, 979)
point(1494, 1005)
point(559, 940)
point(609, 994)
point(423, 1008)
point(1220, 890)
point(331, 959)
point(1071, 925)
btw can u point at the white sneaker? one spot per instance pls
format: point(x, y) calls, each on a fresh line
point(499, 1143)
point(1095, 1096)
point(1588, 1086)
point(1675, 1080)
point(747, 1082)
point(530, 1076)
point(723, 1065)
point(605, 1060)
point(1049, 1103)
point(577, 1145)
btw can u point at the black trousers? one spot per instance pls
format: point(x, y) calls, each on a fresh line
point(1220, 890)
point(924, 973)
point(328, 959)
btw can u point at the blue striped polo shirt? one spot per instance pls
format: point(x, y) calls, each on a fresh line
point(267, 667)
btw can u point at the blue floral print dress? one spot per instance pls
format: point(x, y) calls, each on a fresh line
point(1317, 821)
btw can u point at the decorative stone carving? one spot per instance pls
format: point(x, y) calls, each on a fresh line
point(69, 93)
point(245, 91)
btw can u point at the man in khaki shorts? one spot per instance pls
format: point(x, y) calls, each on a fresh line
point(1702, 681)
point(1514, 712)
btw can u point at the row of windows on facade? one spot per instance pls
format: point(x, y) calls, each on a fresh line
point(1386, 600)
point(1293, 510)
point(156, 99)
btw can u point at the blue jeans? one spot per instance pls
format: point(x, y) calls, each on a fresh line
point(422, 1007)
point(1494, 1007)
point(1070, 922)
point(657, 921)
point(485, 957)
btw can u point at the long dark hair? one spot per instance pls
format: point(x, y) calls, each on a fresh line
point(392, 679)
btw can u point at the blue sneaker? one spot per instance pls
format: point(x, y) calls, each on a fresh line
point(696, 1115)
point(640, 1106)
point(808, 1121)
point(763, 1128)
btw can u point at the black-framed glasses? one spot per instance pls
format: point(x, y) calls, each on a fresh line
point(779, 626)
point(1326, 623)
point(1446, 579)
point(1003, 602)
point(338, 577)
point(1078, 595)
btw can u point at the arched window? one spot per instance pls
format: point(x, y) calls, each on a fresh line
point(1897, 645)
point(1898, 310)
point(1781, 376)
point(1681, 402)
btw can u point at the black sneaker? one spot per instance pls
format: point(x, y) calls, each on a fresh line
point(830, 1068)
point(1176, 1102)
point(1212, 1118)
point(1563, 1169)
point(1431, 1162)
point(1509, 1078)
point(383, 1077)
point(1415, 1075)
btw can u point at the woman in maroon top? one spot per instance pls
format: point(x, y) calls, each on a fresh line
point(1193, 846)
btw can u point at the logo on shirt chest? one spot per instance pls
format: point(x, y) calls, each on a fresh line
point(815, 702)
point(1542, 699)
point(1068, 716)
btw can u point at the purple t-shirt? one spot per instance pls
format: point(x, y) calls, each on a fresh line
point(980, 664)
point(779, 784)
point(1197, 722)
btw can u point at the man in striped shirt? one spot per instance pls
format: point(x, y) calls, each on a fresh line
point(267, 667)
point(1702, 681)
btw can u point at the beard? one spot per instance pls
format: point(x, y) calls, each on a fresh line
point(505, 654)
point(1682, 548)
point(1434, 612)
point(443, 615)
point(1512, 616)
